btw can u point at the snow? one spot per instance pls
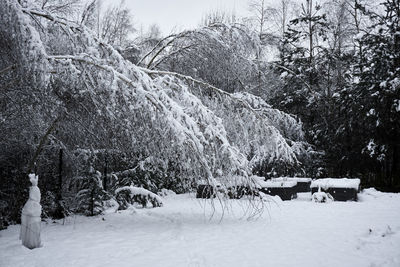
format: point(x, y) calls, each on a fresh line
point(139, 191)
point(322, 197)
point(32, 207)
point(275, 184)
point(371, 112)
point(291, 233)
point(337, 183)
point(30, 216)
point(258, 181)
point(166, 192)
point(397, 105)
point(296, 179)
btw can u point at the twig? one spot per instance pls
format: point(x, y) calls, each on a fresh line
point(7, 68)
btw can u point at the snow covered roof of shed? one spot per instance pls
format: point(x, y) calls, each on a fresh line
point(336, 183)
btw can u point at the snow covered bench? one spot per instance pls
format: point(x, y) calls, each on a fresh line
point(286, 190)
point(303, 184)
point(341, 189)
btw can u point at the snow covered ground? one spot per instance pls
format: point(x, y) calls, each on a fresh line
point(289, 233)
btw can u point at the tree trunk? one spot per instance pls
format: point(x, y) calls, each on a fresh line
point(59, 212)
point(105, 172)
point(91, 206)
point(311, 44)
point(395, 171)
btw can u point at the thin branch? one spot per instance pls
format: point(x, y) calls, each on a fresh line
point(106, 68)
point(52, 18)
point(204, 84)
point(162, 49)
point(43, 140)
point(170, 55)
point(294, 73)
point(154, 48)
point(7, 68)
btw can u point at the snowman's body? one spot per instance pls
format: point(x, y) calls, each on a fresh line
point(30, 218)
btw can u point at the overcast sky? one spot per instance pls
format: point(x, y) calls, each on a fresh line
point(181, 14)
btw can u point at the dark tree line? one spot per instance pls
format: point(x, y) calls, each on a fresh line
point(345, 87)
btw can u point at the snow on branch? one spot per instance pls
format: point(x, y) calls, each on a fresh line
point(271, 135)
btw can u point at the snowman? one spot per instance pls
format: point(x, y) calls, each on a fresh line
point(30, 218)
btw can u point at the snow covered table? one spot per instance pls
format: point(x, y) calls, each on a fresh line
point(341, 189)
point(303, 184)
point(286, 190)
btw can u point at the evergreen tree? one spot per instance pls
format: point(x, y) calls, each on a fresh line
point(301, 60)
point(91, 194)
point(303, 70)
point(374, 97)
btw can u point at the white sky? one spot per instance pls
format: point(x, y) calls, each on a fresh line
point(179, 14)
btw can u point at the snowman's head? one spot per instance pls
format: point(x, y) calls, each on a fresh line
point(33, 178)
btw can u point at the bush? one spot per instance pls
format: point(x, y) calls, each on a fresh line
point(130, 195)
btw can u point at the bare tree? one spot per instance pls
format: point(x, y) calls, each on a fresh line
point(218, 17)
point(116, 25)
point(91, 15)
point(269, 24)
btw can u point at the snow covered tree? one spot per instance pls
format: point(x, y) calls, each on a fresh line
point(90, 194)
point(301, 54)
point(374, 97)
point(88, 184)
point(77, 92)
point(214, 53)
point(302, 70)
point(80, 83)
point(272, 141)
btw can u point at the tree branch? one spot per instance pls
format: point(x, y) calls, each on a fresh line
point(294, 73)
point(43, 140)
point(7, 68)
point(52, 18)
point(154, 48)
point(207, 85)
